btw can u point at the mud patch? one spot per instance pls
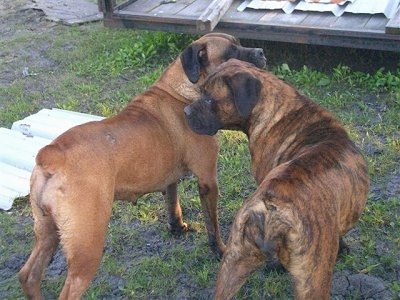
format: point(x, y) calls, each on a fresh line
point(359, 286)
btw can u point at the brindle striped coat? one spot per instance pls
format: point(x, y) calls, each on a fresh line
point(313, 182)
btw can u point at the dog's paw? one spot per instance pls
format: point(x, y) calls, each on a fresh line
point(218, 248)
point(178, 229)
point(343, 248)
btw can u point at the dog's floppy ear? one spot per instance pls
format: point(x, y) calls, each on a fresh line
point(193, 58)
point(246, 91)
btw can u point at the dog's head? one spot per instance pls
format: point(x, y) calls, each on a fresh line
point(202, 56)
point(227, 98)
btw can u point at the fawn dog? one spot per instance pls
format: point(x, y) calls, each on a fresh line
point(147, 147)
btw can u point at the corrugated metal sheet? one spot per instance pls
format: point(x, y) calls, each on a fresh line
point(20, 144)
point(386, 7)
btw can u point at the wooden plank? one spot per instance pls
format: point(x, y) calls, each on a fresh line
point(319, 20)
point(172, 8)
point(211, 16)
point(165, 18)
point(351, 22)
point(295, 34)
point(393, 26)
point(376, 23)
point(195, 9)
point(142, 6)
point(123, 4)
point(78, 21)
point(142, 23)
point(294, 18)
point(268, 16)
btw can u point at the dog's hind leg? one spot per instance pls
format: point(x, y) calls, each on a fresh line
point(46, 241)
point(343, 248)
point(176, 223)
point(312, 271)
point(82, 232)
point(235, 267)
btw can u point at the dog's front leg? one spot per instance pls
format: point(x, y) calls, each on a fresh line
point(176, 223)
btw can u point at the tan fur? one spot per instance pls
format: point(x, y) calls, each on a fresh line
point(145, 148)
point(313, 182)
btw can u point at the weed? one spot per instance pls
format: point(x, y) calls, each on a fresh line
point(380, 80)
point(69, 104)
point(110, 52)
point(305, 76)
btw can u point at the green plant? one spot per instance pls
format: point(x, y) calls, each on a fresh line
point(111, 52)
point(305, 76)
point(70, 104)
point(380, 80)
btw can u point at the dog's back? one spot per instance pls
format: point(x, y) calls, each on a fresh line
point(316, 151)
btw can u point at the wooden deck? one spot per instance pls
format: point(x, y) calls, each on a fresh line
point(202, 16)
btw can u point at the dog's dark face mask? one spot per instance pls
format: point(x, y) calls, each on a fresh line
point(252, 55)
point(226, 103)
point(201, 116)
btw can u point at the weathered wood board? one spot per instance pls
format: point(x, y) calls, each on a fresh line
point(370, 31)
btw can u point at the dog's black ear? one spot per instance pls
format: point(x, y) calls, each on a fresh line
point(193, 58)
point(246, 91)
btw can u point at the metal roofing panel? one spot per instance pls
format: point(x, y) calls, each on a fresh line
point(20, 144)
point(269, 4)
point(340, 2)
point(387, 7)
point(337, 7)
point(38, 124)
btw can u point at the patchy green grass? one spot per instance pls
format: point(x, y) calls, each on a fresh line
point(97, 70)
point(87, 68)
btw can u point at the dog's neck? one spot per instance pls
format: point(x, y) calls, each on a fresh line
point(181, 88)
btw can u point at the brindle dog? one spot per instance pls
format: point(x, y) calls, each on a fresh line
point(147, 147)
point(313, 182)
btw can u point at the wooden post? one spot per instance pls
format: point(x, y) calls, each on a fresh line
point(211, 16)
point(106, 6)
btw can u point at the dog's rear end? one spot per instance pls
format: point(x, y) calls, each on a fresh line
point(297, 220)
point(56, 194)
point(43, 211)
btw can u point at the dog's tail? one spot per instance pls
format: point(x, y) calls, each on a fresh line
point(49, 159)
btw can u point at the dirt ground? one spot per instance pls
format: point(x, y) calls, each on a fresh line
point(16, 19)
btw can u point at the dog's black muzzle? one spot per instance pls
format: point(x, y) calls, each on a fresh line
point(201, 119)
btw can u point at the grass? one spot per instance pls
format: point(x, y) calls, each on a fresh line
point(97, 70)
point(87, 68)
